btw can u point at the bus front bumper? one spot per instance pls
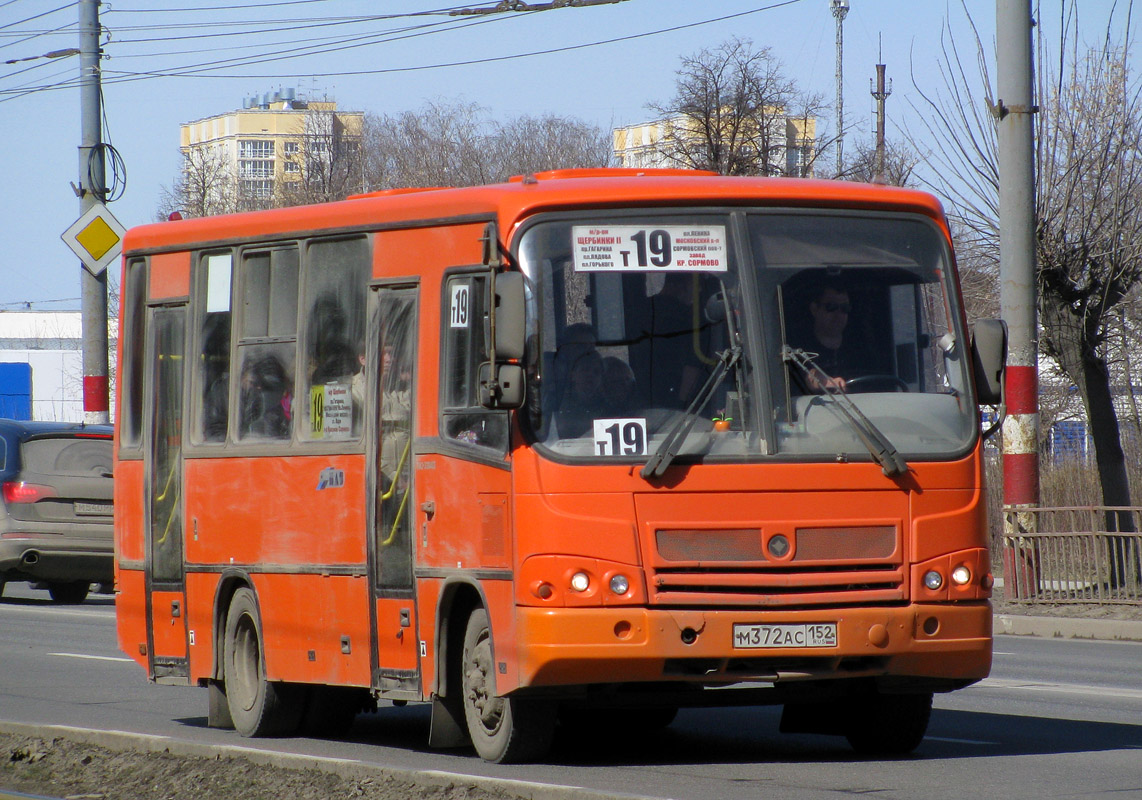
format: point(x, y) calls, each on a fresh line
point(923, 645)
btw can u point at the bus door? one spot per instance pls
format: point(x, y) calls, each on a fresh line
point(166, 581)
point(393, 311)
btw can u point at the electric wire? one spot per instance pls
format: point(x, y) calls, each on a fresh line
point(211, 69)
point(37, 16)
point(122, 76)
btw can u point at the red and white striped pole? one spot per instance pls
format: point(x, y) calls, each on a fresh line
point(1018, 292)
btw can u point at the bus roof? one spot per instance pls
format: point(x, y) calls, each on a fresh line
point(523, 196)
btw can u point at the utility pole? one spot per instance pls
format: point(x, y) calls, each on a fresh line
point(1018, 290)
point(92, 190)
point(840, 9)
point(880, 94)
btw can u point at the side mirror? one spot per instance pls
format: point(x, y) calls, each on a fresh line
point(989, 359)
point(509, 311)
point(501, 385)
point(502, 382)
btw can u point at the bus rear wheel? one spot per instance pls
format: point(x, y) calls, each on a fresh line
point(504, 730)
point(887, 724)
point(257, 706)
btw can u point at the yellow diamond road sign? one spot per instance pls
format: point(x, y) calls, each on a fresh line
point(96, 237)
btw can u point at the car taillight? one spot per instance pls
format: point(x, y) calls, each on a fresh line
point(21, 492)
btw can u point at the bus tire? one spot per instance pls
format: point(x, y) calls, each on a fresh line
point(504, 730)
point(887, 724)
point(258, 707)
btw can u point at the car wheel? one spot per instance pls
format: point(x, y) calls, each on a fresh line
point(71, 593)
point(504, 730)
point(257, 706)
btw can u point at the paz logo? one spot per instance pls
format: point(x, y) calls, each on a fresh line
point(331, 478)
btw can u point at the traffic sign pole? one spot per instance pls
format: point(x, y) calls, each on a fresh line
point(92, 183)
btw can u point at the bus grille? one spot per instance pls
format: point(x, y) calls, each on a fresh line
point(744, 567)
point(763, 588)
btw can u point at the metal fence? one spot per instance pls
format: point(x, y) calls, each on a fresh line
point(1090, 554)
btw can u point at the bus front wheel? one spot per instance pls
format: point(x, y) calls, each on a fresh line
point(503, 729)
point(257, 706)
point(887, 724)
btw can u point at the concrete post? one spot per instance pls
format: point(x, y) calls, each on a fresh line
point(1018, 290)
point(92, 185)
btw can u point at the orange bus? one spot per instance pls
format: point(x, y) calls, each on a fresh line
point(583, 443)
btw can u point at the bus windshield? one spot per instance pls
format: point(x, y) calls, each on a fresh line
point(745, 335)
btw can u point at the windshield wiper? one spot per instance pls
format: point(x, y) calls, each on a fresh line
point(666, 451)
point(891, 462)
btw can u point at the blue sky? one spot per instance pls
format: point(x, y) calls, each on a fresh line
point(609, 61)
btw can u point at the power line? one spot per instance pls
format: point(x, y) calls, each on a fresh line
point(203, 69)
point(197, 70)
point(36, 16)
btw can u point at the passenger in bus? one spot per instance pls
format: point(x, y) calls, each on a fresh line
point(396, 411)
point(582, 401)
point(675, 371)
point(619, 390)
point(575, 340)
point(266, 398)
point(839, 357)
point(216, 376)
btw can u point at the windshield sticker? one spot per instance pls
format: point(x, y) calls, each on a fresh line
point(620, 437)
point(331, 411)
point(629, 248)
point(458, 311)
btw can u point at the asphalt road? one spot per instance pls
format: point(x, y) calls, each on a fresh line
point(1058, 718)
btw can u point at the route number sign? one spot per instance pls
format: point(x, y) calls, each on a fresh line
point(631, 248)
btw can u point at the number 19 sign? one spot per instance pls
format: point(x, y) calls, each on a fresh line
point(620, 437)
point(630, 248)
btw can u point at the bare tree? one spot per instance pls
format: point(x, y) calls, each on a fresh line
point(439, 145)
point(205, 186)
point(1090, 238)
point(324, 163)
point(729, 112)
point(900, 162)
point(460, 144)
point(527, 145)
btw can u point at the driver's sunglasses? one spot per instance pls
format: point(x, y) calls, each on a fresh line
point(833, 308)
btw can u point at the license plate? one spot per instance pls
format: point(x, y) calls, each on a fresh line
point(94, 509)
point(814, 634)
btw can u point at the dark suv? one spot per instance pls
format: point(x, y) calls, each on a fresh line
point(55, 506)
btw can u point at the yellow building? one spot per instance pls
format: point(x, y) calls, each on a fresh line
point(270, 145)
point(791, 141)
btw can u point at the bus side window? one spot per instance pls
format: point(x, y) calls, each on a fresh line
point(332, 396)
point(214, 345)
point(464, 420)
point(133, 314)
point(266, 349)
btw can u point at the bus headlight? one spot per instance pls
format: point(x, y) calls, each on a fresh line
point(961, 575)
point(620, 584)
point(933, 580)
point(580, 581)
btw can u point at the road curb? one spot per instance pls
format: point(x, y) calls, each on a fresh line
point(352, 769)
point(1123, 630)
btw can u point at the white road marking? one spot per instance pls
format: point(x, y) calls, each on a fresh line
point(92, 658)
point(957, 741)
point(1060, 688)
